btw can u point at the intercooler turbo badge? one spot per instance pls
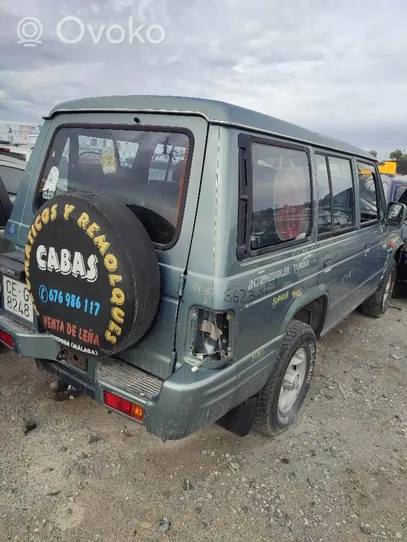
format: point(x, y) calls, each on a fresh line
point(75, 273)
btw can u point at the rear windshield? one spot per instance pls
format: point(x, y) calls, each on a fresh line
point(145, 170)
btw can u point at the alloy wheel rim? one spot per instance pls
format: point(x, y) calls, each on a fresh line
point(293, 381)
point(387, 291)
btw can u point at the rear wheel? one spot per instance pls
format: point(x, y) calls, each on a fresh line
point(284, 393)
point(378, 303)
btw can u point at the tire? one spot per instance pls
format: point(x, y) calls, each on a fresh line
point(92, 273)
point(271, 419)
point(378, 303)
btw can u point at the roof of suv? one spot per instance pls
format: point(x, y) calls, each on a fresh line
point(215, 112)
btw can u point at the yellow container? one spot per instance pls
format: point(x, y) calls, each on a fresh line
point(388, 167)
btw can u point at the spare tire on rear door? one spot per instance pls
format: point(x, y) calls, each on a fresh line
point(92, 272)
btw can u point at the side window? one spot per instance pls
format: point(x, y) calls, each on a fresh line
point(91, 149)
point(281, 195)
point(166, 163)
point(127, 153)
point(336, 194)
point(324, 195)
point(369, 190)
point(342, 192)
point(386, 190)
point(101, 151)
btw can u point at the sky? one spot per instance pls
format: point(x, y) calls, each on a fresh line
point(338, 67)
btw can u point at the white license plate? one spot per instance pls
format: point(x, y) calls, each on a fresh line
point(17, 299)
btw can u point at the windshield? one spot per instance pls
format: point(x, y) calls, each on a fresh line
point(146, 170)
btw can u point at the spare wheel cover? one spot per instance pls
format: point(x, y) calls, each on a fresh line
point(92, 273)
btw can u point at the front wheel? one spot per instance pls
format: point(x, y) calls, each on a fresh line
point(378, 303)
point(284, 393)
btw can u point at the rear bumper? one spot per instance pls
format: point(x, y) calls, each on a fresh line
point(173, 408)
point(28, 343)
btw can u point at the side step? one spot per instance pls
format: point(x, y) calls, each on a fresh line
point(116, 374)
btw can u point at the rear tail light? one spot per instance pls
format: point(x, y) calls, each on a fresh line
point(6, 338)
point(211, 338)
point(123, 405)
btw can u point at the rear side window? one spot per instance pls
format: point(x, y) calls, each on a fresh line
point(342, 192)
point(324, 195)
point(281, 195)
point(146, 170)
point(369, 190)
point(336, 194)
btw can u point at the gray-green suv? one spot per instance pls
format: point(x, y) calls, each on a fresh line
point(176, 259)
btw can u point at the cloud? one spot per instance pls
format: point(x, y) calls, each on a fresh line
point(334, 67)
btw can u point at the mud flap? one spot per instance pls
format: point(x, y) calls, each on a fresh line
point(239, 420)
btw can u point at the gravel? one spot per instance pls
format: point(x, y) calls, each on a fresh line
point(29, 425)
point(164, 525)
point(340, 474)
point(187, 485)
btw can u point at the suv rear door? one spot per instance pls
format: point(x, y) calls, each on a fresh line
point(155, 353)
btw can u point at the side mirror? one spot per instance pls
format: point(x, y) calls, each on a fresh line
point(396, 214)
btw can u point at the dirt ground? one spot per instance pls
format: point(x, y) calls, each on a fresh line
point(85, 474)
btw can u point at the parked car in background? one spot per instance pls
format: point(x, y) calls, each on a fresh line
point(18, 137)
point(395, 189)
point(388, 167)
point(22, 152)
point(11, 172)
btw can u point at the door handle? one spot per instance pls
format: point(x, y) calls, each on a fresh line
point(368, 245)
point(328, 263)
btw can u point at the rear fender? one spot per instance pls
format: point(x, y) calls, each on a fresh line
point(299, 303)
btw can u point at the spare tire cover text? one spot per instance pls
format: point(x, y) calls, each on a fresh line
point(75, 274)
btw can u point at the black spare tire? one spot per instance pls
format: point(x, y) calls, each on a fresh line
point(92, 272)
